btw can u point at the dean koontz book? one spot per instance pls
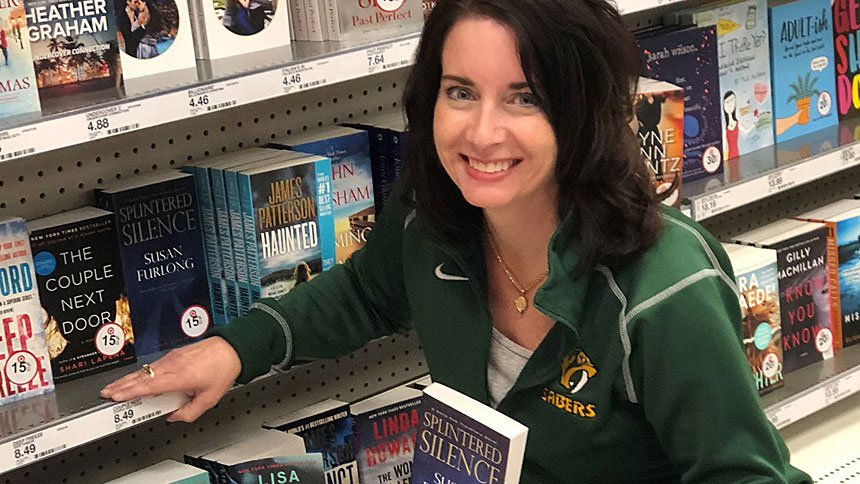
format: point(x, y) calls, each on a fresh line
point(25, 370)
point(163, 259)
point(18, 91)
point(658, 122)
point(79, 272)
point(464, 441)
point(154, 37)
point(74, 44)
point(801, 55)
point(224, 28)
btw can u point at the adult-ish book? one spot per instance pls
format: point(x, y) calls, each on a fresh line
point(758, 294)
point(326, 427)
point(352, 183)
point(74, 45)
point(362, 20)
point(25, 366)
point(846, 28)
point(386, 432)
point(804, 289)
point(163, 259)
point(79, 272)
point(225, 28)
point(464, 441)
point(801, 38)
point(19, 93)
point(659, 126)
point(688, 58)
point(165, 472)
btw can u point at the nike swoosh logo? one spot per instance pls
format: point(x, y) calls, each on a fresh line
point(448, 277)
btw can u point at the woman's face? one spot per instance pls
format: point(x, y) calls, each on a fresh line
point(729, 103)
point(493, 141)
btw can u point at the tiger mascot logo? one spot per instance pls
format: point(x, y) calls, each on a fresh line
point(576, 370)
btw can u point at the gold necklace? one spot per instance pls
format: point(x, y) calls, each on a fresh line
point(520, 303)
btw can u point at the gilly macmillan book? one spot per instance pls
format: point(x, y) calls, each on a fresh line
point(18, 91)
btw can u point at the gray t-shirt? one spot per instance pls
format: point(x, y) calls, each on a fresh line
point(506, 362)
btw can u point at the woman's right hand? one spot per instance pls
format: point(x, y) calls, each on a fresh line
point(204, 371)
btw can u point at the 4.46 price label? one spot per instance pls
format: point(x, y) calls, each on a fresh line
point(303, 76)
point(212, 97)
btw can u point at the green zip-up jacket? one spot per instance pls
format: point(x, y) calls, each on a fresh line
point(642, 378)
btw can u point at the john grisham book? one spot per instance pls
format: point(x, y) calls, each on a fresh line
point(688, 58)
point(18, 91)
point(74, 44)
point(81, 286)
point(161, 243)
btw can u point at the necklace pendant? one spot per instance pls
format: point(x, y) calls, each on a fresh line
point(521, 304)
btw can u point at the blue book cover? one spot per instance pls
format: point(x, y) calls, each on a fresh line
point(163, 260)
point(293, 222)
point(386, 434)
point(19, 93)
point(801, 37)
point(848, 241)
point(688, 58)
point(225, 242)
point(352, 187)
point(846, 25)
point(229, 221)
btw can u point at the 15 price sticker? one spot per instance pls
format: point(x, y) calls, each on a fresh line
point(195, 321)
point(21, 367)
point(110, 339)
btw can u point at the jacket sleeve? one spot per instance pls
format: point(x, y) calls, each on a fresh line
point(697, 390)
point(336, 312)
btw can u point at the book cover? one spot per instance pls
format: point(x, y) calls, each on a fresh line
point(79, 273)
point(74, 44)
point(848, 242)
point(758, 287)
point(365, 20)
point(165, 472)
point(293, 222)
point(154, 37)
point(161, 245)
point(659, 126)
point(25, 366)
point(304, 468)
point(352, 185)
point(388, 138)
point(386, 432)
point(744, 62)
point(19, 93)
point(688, 58)
point(224, 28)
point(846, 23)
point(326, 428)
point(451, 427)
point(801, 37)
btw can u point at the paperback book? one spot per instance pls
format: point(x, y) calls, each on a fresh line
point(846, 28)
point(388, 137)
point(363, 20)
point(451, 423)
point(802, 67)
point(163, 259)
point(74, 45)
point(688, 58)
point(25, 366)
point(165, 472)
point(225, 28)
point(80, 278)
point(19, 93)
point(263, 456)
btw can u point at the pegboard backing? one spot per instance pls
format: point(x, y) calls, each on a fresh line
point(380, 365)
point(60, 180)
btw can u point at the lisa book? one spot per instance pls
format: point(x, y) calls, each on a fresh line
point(225, 28)
point(452, 424)
point(165, 472)
point(79, 272)
point(19, 93)
point(264, 456)
point(163, 259)
point(26, 368)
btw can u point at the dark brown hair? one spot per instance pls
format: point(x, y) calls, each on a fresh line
point(582, 64)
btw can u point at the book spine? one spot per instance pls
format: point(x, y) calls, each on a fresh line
point(300, 19)
point(250, 230)
point(848, 246)
point(325, 214)
point(316, 29)
point(331, 20)
point(833, 280)
point(235, 208)
point(380, 152)
point(210, 243)
point(225, 242)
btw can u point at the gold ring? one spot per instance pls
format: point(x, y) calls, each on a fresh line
point(148, 370)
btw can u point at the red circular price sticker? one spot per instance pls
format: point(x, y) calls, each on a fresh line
point(824, 341)
point(195, 321)
point(110, 339)
point(21, 367)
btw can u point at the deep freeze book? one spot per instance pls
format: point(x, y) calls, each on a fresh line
point(161, 245)
point(25, 366)
point(758, 294)
point(386, 432)
point(688, 58)
point(293, 222)
point(658, 122)
point(352, 183)
point(79, 272)
point(464, 441)
point(74, 44)
point(18, 90)
point(801, 37)
point(326, 427)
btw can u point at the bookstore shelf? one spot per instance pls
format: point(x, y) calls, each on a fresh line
point(216, 86)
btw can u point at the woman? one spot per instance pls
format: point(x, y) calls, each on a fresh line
point(530, 255)
point(149, 20)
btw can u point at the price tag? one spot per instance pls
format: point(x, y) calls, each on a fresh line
point(707, 206)
point(213, 97)
point(195, 321)
point(303, 76)
point(21, 367)
point(123, 414)
point(34, 447)
point(848, 156)
point(110, 339)
point(111, 121)
point(15, 143)
point(779, 181)
point(390, 56)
